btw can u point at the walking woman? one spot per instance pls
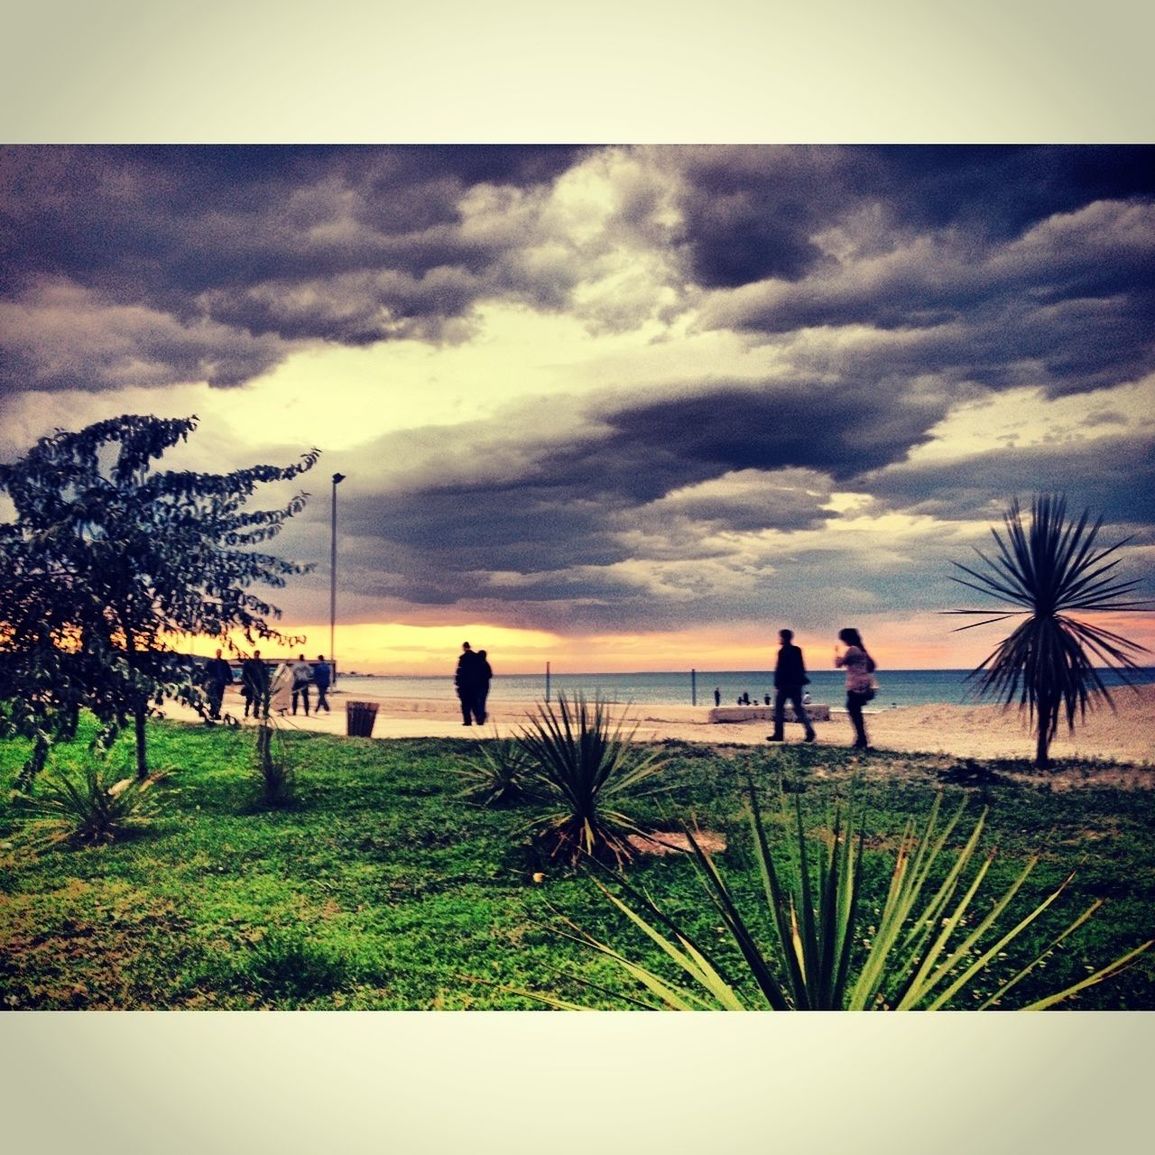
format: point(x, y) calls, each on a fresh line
point(859, 665)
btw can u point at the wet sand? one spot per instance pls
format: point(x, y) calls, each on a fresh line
point(1126, 734)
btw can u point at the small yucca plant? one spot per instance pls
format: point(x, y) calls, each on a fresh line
point(496, 774)
point(273, 769)
point(91, 809)
point(921, 955)
point(582, 765)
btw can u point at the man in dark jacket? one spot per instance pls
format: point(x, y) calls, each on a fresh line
point(789, 678)
point(218, 675)
point(322, 679)
point(255, 686)
point(467, 680)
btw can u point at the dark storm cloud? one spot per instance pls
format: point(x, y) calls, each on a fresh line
point(753, 212)
point(1002, 190)
point(841, 431)
point(248, 249)
point(1111, 475)
point(62, 337)
point(665, 480)
point(1011, 264)
point(1019, 263)
point(179, 220)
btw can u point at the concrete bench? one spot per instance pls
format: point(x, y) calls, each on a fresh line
point(818, 711)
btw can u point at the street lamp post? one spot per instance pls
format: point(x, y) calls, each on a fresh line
point(337, 479)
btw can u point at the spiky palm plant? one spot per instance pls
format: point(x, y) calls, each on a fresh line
point(91, 809)
point(1049, 571)
point(934, 938)
point(274, 771)
point(582, 762)
point(496, 774)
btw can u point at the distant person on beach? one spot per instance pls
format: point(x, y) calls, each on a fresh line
point(322, 679)
point(859, 665)
point(466, 680)
point(217, 675)
point(789, 678)
point(302, 675)
point(255, 685)
point(717, 696)
point(484, 677)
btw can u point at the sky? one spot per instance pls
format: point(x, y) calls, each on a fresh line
point(618, 407)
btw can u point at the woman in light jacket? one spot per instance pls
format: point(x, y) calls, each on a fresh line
point(859, 666)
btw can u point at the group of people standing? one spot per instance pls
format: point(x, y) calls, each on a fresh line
point(301, 675)
point(266, 690)
point(790, 677)
point(471, 680)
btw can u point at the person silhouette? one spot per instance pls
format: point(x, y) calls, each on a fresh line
point(218, 675)
point(484, 677)
point(322, 679)
point(466, 680)
point(789, 678)
point(859, 665)
point(255, 685)
point(302, 675)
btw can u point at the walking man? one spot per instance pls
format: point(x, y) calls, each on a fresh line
point(789, 678)
point(255, 686)
point(322, 679)
point(302, 674)
point(218, 675)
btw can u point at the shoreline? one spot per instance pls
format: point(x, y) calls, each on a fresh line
point(1126, 734)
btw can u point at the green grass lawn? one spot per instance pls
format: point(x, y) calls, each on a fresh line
point(379, 889)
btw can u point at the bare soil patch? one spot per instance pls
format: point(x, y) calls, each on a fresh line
point(661, 844)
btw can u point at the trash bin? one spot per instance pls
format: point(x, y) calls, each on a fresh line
point(359, 719)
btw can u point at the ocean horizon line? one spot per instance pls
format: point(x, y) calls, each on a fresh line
point(704, 688)
point(687, 671)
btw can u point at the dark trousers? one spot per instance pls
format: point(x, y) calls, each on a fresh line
point(322, 701)
point(792, 694)
point(301, 692)
point(216, 694)
point(854, 703)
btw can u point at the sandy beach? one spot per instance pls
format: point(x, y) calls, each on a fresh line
point(1126, 734)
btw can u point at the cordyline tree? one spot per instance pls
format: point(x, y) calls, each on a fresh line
point(1046, 572)
point(107, 561)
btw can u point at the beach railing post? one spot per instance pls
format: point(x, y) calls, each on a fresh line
point(547, 682)
point(693, 687)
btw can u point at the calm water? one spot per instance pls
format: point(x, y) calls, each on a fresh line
point(899, 687)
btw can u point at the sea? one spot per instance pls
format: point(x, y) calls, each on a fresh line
point(696, 687)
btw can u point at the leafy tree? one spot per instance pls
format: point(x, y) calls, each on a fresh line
point(1049, 571)
point(108, 561)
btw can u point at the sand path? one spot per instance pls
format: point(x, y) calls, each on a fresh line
point(1126, 734)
